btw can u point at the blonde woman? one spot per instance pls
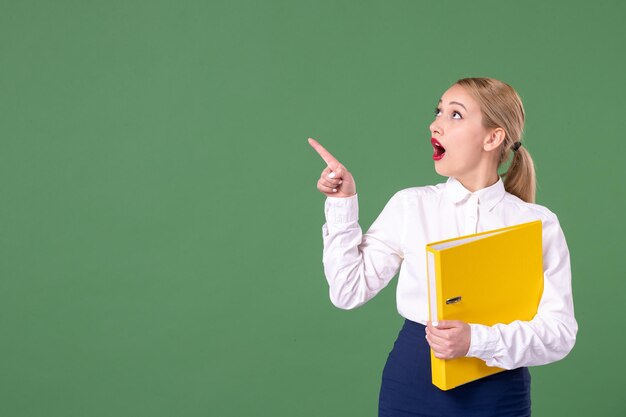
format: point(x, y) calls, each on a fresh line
point(477, 127)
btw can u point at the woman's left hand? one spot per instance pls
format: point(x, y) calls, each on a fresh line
point(449, 339)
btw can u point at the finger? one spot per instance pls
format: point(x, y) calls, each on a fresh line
point(440, 352)
point(443, 355)
point(439, 346)
point(433, 326)
point(339, 171)
point(331, 175)
point(447, 324)
point(435, 340)
point(334, 172)
point(326, 156)
point(331, 182)
point(440, 333)
point(325, 189)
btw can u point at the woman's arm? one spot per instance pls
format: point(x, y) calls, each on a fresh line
point(358, 266)
point(551, 334)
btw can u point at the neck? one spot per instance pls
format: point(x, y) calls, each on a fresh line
point(479, 181)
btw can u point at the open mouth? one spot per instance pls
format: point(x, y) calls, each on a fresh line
point(439, 149)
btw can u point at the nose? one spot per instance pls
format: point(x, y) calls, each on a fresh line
point(435, 127)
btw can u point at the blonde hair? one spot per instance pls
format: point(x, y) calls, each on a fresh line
point(502, 107)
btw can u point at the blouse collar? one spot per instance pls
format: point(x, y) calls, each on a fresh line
point(487, 197)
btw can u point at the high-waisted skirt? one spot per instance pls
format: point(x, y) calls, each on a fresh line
point(407, 388)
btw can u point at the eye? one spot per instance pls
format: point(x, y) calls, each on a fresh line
point(437, 111)
point(455, 114)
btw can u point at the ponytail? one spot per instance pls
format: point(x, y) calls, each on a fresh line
point(519, 179)
point(501, 106)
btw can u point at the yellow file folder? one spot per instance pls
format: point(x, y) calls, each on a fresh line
point(485, 278)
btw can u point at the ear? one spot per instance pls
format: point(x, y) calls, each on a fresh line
point(494, 139)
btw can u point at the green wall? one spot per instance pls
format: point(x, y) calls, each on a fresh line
point(160, 227)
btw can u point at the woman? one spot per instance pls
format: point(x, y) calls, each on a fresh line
point(477, 127)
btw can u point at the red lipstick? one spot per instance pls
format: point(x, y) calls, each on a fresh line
point(439, 149)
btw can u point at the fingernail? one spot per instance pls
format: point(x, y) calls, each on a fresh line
point(334, 190)
point(331, 175)
point(435, 323)
point(340, 181)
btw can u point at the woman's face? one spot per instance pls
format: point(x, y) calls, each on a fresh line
point(458, 134)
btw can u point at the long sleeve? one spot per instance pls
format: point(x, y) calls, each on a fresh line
point(358, 266)
point(551, 334)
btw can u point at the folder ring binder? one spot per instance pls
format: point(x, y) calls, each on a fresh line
point(496, 288)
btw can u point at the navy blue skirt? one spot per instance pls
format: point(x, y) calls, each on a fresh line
point(407, 389)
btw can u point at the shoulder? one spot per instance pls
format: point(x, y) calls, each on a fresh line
point(536, 211)
point(420, 192)
point(515, 210)
point(412, 198)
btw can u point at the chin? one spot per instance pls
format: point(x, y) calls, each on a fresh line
point(441, 171)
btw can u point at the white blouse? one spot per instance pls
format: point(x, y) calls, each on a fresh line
point(358, 266)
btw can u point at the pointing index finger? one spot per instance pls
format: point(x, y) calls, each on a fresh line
point(326, 156)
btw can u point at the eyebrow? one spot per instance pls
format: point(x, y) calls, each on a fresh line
point(456, 102)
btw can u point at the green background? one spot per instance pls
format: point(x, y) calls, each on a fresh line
point(160, 227)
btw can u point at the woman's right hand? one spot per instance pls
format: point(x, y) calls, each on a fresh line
point(335, 180)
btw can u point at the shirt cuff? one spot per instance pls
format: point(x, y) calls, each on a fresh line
point(341, 209)
point(483, 343)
